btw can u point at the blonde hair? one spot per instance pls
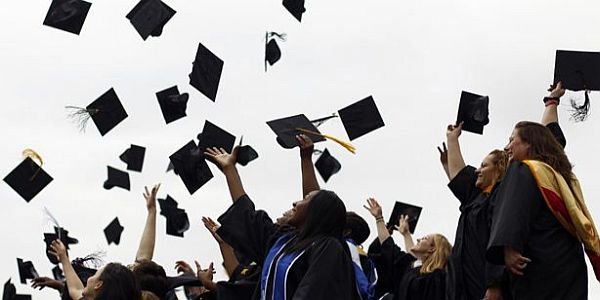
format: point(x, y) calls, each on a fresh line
point(437, 260)
point(500, 161)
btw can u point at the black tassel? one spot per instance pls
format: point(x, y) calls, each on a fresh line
point(80, 116)
point(581, 112)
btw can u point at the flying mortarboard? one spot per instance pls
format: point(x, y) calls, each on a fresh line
point(116, 178)
point(177, 219)
point(106, 112)
point(113, 231)
point(59, 234)
point(473, 111)
point(189, 163)
point(206, 72)
point(172, 104)
point(26, 270)
point(246, 154)
point(578, 71)
point(327, 165)
point(214, 136)
point(272, 50)
point(67, 15)
point(361, 118)
point(295, 7)
point(413, 213)
point(149, 17)
point(28, 178)
point(10, 292)
point(134, 157)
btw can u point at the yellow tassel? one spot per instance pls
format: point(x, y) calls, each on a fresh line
point(344, 144)
point(34, 156)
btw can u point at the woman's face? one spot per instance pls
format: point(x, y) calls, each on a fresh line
point(93, 285)
point(516, 148)
point(424, 246)
point(487, 173)
point(299, 211)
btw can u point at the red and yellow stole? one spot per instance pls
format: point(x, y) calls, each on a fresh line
point(568, 207)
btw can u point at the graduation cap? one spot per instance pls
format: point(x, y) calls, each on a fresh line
point(327, 165)
point(106, 112)
point(113, 231)
point(57, 273)
point(149, 17)
point(172, 104)
point(272, 51)
point(295, 7)
point(59, 234)
point(189, 163)
point(10, 292)
point(578, 71)
point(28, 178)
point(206, 72)
point(26, 270)
point(177, 219)
point(413, 212)
point(134, 157)
point(116, 178)
point(67, 15)
point(213, 136)
point(473, 111)
point(182, 280)
point(246, 154)
point(361, 118)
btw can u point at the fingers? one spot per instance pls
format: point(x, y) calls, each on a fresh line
point(146, 194)
point(440, 150)
point(444, 144)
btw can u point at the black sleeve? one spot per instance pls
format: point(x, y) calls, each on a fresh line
point(391, 264)
point(247, 230)
point(463, 185)
point(515, 209)
point(557, 133)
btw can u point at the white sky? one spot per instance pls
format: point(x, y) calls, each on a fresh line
point(414, 57)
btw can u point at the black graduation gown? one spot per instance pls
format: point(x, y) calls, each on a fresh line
point(324, 271)
point(469, 274)
point(397, 276)
point(523, 221)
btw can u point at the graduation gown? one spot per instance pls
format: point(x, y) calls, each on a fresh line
point(469, 274)
point(523, 221)
point(397, 276)
point(323, 271)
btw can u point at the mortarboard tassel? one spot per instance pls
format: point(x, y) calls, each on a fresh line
point(581, 112)
point(80, 115)
point(53, 220)
point(344, 144)
point(34, 156)
point(320, 121)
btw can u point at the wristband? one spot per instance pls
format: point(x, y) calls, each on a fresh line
point(550, 102)
point(546, 99)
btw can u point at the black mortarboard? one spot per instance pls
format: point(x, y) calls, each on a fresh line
point(473, 111)
point(361, 118)
point(272, 50)
point(28, 179)
point(134, 157)
point(67, 15)
point(116, 178)
point(57, 273)
point(295, 7)
point(26, 270)
point(172, 104)
point(149, 17)
point(59, 234)
point(214, 136)
point(177, 219)
point(327, 165)
point(287, 130)
point(10, 292)
point(578, 71)
point(107, 111)
point(206, 72)
point(359, 227)
point(113, 231)
point(246, 154)
point(413, 213)
point(189, 164)
point(182, 280)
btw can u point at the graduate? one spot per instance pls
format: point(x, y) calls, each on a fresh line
point(398, 279)
point(310, 249)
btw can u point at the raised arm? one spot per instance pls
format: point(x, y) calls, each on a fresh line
point(455, 158)
point(403, 228)
point(226, 162)
point(146, 248)
point(375, 209)
point(230, 261)
point(444, 159)
point(58, 249)
point(309, 179)
point(551, 103)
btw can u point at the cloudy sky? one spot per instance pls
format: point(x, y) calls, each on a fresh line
point(413, 57)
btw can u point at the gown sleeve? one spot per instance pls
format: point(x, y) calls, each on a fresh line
point(247, 230)
point(515, 209)
point(391, 263)
point(557, 133)
point(463, 185)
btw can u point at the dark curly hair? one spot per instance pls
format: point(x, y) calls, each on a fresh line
point(151, 277)
point(118, 283)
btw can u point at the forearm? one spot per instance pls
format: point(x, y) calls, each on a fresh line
point(146, 247)
point(234, 182)
point(550, 114)
point(408, 243)
point(229, 259)
point(382, 231)
point(455, 158)
point(309, 178)
point(73, 282)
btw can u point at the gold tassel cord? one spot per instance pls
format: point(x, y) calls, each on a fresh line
point(34, 156)
point(344, 144)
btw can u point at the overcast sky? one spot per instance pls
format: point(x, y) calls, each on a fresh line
point(413, 57)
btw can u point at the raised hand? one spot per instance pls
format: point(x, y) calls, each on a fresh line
point(306, 145)
point(402, 226)
point(374, 208)
point(183, 267)
point(454, 131)
point(58, 249)
point(42, 282)
point(206, 276)
point(514, 261)
point(150, 196)
point(221, 158)
point(556, 90)
point(212, 227)
point(443, 154)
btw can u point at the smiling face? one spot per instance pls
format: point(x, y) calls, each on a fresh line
point(94, 284)
point(424, 247)
point(487, 174)
point(516, 148)
point(298, 214)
